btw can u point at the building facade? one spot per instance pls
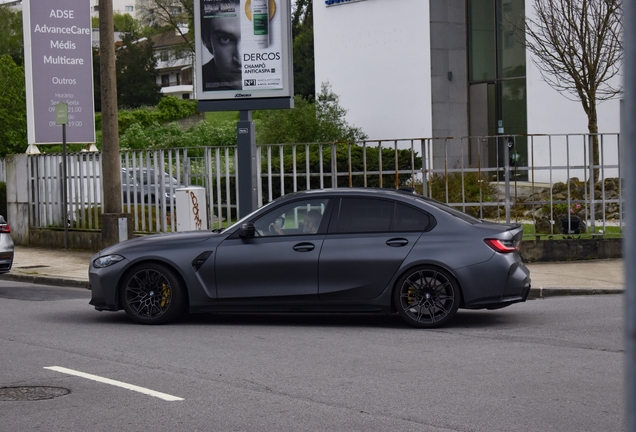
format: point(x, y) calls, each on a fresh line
point(119, 6)
point(452, 68)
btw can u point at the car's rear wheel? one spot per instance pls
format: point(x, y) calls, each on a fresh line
point(152, 294)
point(427, 297)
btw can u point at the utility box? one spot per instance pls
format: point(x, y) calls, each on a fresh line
point(191, 208)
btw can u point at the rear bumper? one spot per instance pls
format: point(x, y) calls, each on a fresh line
point(517, 289)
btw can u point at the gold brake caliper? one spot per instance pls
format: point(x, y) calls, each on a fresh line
point(411, 296)
point(165, 295)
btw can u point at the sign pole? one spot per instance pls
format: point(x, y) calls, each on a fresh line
point(246, 161)
point(61, 118)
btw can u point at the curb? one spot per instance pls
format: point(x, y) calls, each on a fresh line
point(46, 280)
point(544, 292)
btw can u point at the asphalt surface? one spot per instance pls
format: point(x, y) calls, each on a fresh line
point(69, 268)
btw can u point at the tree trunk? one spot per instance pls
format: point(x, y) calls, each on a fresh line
point(592, 126)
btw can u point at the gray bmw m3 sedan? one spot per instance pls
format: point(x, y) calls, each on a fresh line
point(335, 250)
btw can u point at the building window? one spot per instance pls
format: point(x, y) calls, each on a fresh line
point(130, 8)
point(509, 40)
point(165, 80)
point(497, 77)
point(164, 56)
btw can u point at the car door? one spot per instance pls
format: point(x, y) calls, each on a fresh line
point(281, 261)
point(365, 246)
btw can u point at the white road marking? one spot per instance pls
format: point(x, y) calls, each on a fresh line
point(143, 390)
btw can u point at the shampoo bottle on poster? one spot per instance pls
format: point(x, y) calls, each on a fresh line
point(260, 19)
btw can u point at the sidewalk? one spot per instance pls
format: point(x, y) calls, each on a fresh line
point(70, 268)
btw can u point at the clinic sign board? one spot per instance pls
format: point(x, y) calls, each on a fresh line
point(58, 68)
point(243, 53)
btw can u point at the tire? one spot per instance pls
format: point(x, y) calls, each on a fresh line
point(427, 297)
point(151, 293)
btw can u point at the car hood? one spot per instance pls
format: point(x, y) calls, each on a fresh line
point(157, 241)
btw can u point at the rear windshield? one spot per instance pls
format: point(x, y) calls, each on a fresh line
point(450, 210)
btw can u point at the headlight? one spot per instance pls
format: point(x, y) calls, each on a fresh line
point(107, 261)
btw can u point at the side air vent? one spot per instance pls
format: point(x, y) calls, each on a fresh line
point(198, 261)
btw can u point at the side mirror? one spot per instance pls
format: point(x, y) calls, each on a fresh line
point(247, 230)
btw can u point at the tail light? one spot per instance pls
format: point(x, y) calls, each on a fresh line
point(502, 246)
point(5, 228)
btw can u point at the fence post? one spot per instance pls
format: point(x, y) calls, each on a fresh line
point(424, 162)
point(591, 179)
point(507, 146)
point(334, 166)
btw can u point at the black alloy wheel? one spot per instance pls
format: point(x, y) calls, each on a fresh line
point(427, 297)
point(152, 294)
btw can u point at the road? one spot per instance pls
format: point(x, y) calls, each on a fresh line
point(544, 365)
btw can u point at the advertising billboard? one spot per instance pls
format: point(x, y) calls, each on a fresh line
point(58, 68)
point(243, 53)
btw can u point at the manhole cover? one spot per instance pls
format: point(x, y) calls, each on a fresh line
point(31, 393)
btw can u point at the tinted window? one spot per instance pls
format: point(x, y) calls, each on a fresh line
point(365, 215)
point(409, 219)
point(375, 215)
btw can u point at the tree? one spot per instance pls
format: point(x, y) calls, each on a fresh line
point(126, 23)
point(136, 74)
point(303, 46)
point(577, 47)
point(322, 120)
point(175, 15)
point(13, 123)
point(11, 39)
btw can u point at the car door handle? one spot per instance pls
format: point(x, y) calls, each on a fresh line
point(397, 242)
point(304, 247)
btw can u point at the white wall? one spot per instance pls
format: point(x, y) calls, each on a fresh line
point(376, 56)
point(550, 112)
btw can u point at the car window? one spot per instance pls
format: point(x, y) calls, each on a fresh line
point(409, 219)
point(126, 180)
point(375, 215)
point(365, 215)
point(298, 217)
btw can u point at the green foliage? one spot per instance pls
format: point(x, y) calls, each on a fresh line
point(126, 23)
point(11, 39)
point(319, 121)
point(168, 110)
point(475, 188)
point(136, 74)
point(140, 137)
point(303, 47)
point(221, 116)
point(13, 122)
point(172, 108)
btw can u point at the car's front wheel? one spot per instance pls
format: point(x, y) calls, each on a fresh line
point(152, 294)
point(427, 297)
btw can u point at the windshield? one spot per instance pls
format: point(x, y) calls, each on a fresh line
point(241, 221)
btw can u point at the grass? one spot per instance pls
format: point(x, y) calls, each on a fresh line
point(215, 117)
point(609, 232)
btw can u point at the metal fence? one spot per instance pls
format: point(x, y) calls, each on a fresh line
point(503, 178)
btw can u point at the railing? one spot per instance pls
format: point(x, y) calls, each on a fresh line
point(503, 178)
